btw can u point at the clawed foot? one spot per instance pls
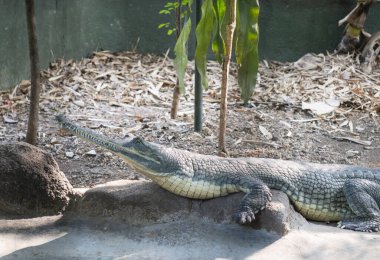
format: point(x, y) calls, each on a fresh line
point(245, 216)
point(361, 224)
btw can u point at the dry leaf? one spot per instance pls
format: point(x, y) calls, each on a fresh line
point(56, 78)
point(79, 103)
point(265, 133)
point(321, 107)
point(9, 120)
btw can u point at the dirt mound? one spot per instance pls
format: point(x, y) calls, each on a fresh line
point(31, 183)
point(143, 202)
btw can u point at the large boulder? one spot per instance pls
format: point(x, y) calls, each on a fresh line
point(31, 183)
point(144, 202)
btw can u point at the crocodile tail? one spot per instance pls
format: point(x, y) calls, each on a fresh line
point(88, 135)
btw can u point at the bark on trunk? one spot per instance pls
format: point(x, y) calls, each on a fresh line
point(31, 135)
point(226, 69)
point(176, 92)
point(175, 102)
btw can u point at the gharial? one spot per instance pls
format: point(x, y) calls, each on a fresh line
point(349, 194)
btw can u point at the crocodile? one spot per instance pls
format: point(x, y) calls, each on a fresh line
point(320, 192)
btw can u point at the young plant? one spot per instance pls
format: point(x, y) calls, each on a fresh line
point(224, 24)
point(182, 8)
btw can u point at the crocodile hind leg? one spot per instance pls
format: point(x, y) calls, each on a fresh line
point(256, 199)
point(363, 197)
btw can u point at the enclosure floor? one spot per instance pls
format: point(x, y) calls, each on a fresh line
point(191, 239)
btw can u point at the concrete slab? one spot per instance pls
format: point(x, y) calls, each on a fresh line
point(138, 220)
point(192, 238)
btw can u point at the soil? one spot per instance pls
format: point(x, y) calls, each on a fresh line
point(310, 141)
point(268, 129)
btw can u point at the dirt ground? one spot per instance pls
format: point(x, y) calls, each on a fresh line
point(310, 142)
point(127, 93)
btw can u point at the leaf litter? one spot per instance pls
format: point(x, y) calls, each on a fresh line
point(321, 108)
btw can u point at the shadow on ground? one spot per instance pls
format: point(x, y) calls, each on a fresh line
point(192, 238)
point(139, 220)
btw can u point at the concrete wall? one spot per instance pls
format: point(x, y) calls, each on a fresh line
point(75, 28)
point(291, 28)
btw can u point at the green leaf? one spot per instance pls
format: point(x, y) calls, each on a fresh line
point(218, 45)
point(189, 4)
point(203, 34)
point(171, 31)
point(247, 55)
point(180, 61)
point(162, 25)
point(164, 12)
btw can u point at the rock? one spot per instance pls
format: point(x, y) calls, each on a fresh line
point(144, 202)
point(31, 183)
point(207, 131)
point(79, 103)
point(279, 216)
point(54, 141)
point(133, 202)
point(109, 154)
point(9, 120)
point(352, 153)
point(90, 153)
point(69, 154)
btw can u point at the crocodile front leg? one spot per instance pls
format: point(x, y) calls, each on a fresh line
point(363, 197)
point(256, 199)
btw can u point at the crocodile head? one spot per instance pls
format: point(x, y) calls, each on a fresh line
point(144, 156)
point(147, 158)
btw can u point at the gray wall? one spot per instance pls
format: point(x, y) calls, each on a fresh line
point(290, 28)
point(75, 28)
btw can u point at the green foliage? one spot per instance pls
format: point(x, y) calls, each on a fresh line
point(171, 7)
point(180, 61)
point(211, 30)
point(218, 45)
point(181, 58)
point(204, 33)
point(246, 49)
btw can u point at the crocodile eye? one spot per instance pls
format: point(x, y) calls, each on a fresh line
point(138, 140)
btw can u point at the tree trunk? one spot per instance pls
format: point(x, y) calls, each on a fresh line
point(176, 92)
point(225, 75)
point(175, 102)
point(31, 135)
